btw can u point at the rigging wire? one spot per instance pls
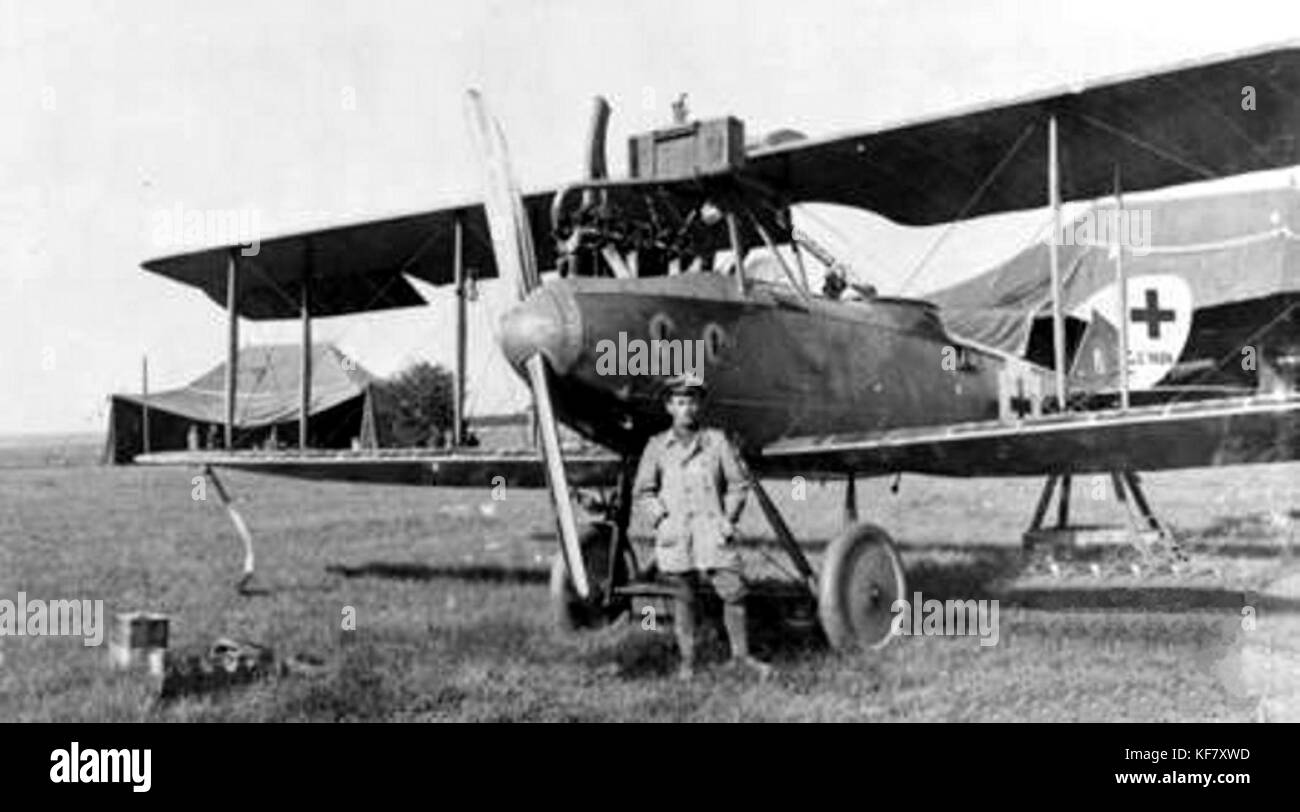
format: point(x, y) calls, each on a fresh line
point(975, 198)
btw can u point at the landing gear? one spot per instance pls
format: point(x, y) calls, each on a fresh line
point(861, 578)
point(1146, 546)
point(609, 566)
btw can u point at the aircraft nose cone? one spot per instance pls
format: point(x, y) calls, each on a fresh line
point(547, 322)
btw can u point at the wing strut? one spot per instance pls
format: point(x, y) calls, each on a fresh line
point(458, 396)
point(232, 344)
point(1122, 291)
point(1058, 321)
point(304, 369)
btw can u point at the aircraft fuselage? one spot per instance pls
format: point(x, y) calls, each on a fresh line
point(776, 365)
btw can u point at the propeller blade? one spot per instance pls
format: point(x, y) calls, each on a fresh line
point(555, 476)
point(512, 240)
point(512, 244)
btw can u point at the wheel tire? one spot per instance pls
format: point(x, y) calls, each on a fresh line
point(570, 612)
point(860, 580)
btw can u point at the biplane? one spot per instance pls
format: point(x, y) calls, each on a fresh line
point(809, 383)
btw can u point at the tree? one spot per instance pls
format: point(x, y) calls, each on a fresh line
point(414, 407)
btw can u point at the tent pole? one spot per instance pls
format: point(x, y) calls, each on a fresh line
point(144, 398)
point(1054, 199)
point(458, 394)
point(1122, 283)
point(232, 346)
point(304, 377)
point(370, 430)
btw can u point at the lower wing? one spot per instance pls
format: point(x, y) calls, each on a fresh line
point(1179, 435)
point(461, 468)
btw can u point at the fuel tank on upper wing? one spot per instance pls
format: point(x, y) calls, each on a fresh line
point(777, 364)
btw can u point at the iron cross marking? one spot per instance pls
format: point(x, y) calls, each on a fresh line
point(1152, 314)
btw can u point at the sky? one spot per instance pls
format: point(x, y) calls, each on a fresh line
point(114, 116)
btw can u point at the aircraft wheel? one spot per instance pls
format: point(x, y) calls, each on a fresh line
point(572, 613)
point(860, 580)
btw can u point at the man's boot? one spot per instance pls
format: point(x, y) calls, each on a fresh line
point(684, 626)
point(733, 615)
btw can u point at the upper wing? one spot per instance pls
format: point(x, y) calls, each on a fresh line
point(462, 468)
point(1177, 125)
point(360, 267)
point(1181, 435)
point(355, 267)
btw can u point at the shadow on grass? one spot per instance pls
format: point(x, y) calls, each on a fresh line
point(1264, 550)
point(1163, 599)
point(815, 545)
point(411, 673)
point(1265, 536)
point(747, 542)
point(478, 573)
point(368, 685)
point(978, 578)
point(491, 641)
point(781, 627)
point(1248, 524)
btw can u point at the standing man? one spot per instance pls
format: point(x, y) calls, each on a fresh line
point(692, 484)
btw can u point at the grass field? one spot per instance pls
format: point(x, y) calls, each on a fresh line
point(450, 593)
